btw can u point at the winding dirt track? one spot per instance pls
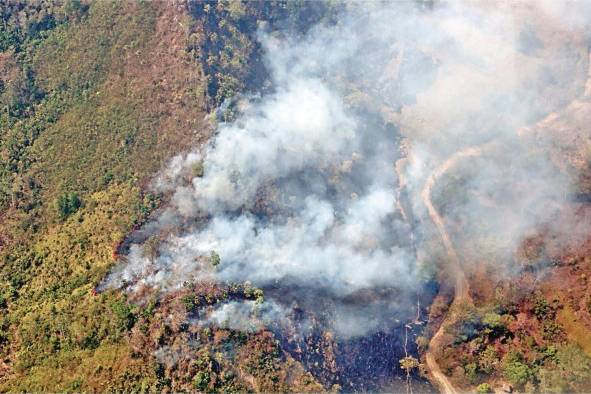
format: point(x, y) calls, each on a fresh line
point(462, 293)
point(461, 285)
point(462, 290)
point(454, 267)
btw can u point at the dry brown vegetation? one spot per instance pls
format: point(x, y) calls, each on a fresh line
point(95, 98)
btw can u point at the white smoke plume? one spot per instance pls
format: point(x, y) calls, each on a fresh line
point(247, 316)
point(301, 189)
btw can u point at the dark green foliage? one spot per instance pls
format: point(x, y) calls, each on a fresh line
point(550, 353)
point(541, 309)
point(515, 370)
point(567, 371)
point(190, 302)
point(495, 325)
point(467, 326)
point(231, 56)
point(8, 39)
point(471, 371)
point(201, 380)
point(19, 93)
point(24, 21)
point(149, 309)
point(551, 331)
point(124, 313)
point(215, 258)
point(67, 204)
point(207, 377)
point(488, 360)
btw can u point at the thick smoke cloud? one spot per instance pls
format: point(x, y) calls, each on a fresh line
point(301, 189)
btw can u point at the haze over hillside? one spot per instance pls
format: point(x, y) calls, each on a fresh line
point(295, 196)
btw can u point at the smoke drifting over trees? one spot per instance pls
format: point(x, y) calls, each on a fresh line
point(300, 191)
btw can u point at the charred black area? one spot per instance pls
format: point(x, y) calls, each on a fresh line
point(372, 363)
point(584, 197)
point(353, 339)
point(366, 362)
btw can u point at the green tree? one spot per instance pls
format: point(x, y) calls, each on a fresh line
point(409, 363)
point(201, 380)
point(190, 302)
point(488, 360)
point(124, 314)
point(515, 370)
point(568, 371)
point(541, 308)
point(67, 204)
point(471, 372)
point(215, 258)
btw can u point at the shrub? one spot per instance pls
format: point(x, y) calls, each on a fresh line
point(471, 372)
point(409, 363)
point(215, 258)
point(515, 370)
point(484, 388)
point(492, 320)
point(517, 373)
point(488, 360)
point(198, 169)
point(467, 326)
point(190, 302)
point(148, 311)
point(551, 331)
point(124, 315)
point(422, 343)
point(541, 308)
point(550, 353)
point(495, 324)
point(201, 380)
point(67, 204)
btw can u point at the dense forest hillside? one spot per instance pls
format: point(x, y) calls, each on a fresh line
point(96, 96)
point(113, 112)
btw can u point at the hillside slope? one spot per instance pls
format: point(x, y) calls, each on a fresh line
point(97, 97)
point(117, 94)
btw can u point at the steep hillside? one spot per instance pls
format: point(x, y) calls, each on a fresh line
point(526, 330)
point(96, 98)
point(294, 196)
point(116, 93)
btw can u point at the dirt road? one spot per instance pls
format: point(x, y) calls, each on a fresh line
point(454, 267)
point(461, 293)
